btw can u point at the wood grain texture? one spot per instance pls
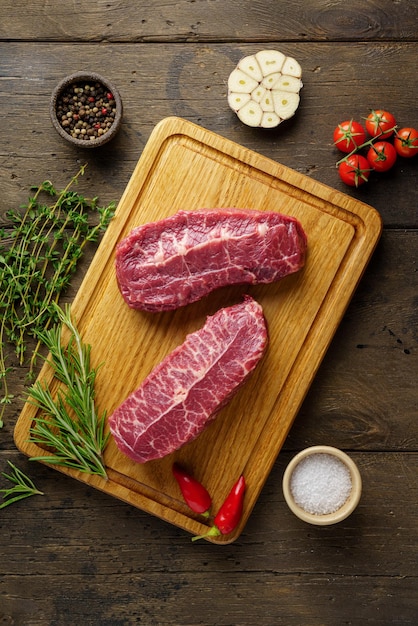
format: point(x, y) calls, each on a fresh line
point(210, 20)
point(351, 401)
point(374, 357)
point(108, 563)
point(203, 170)
point(364, 395)
point(189, 81)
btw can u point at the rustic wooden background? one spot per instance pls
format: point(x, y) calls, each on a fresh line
point(76, 556)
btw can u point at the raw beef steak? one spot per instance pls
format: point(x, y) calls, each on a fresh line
point(183, 394)
point(167, 264)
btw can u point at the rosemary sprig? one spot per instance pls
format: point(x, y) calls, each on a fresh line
point(23, 487)
point(69, 424)
point(39, 252)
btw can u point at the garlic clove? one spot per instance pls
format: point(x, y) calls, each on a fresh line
point(285, 103)
point(267, 102)
point(287, 83)
point(237, 100)
point(249, 65)
point(264, 88)
point(292, 68)
point(258, 93)
point(241, 83)
point(270, 61)
point(251, 114)
point(270, 119)
point(268, 81)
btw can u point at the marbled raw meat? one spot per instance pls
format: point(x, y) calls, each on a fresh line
point(163, 265)
point(184, 393)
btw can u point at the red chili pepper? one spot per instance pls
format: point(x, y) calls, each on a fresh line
point(229, 514)
point(194, 493)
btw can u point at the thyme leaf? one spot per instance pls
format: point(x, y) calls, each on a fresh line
point(23, 487)
point(68, 423)
point(39, 252)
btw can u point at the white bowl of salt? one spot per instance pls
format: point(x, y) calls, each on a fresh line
point(322, 485)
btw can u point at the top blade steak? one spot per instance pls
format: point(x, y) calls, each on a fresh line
point(164, 265)
point(184, 393)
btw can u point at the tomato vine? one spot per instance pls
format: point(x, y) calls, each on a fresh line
point(374, 148)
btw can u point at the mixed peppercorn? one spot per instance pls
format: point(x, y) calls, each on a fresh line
point(86, 111)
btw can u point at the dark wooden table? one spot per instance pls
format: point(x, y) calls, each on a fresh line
point(76, 556)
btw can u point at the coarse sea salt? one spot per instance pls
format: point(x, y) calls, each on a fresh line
point(320, 484)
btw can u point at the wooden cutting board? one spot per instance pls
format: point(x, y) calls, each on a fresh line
point(184, 166)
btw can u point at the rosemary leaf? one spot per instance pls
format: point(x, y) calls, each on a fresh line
point(68, 424)
point(23, 487)
point(39, 253)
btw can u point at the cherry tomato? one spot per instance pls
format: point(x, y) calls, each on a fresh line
point(381, 156)
point(354, 170)
point(406, 142)
point(380, 123)
point(349, 135)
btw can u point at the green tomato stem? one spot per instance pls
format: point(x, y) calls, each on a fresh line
point(366, 144)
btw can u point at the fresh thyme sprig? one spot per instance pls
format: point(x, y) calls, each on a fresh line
point(23, 487)
point(68, 424)
point(39, 252)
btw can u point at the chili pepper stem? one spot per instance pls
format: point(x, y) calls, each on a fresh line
point(229, 515)
point(212, 532)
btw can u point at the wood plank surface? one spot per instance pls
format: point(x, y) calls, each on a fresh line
point(364, 395)
point(203, 170)
point(78, 556)
point(104, 562)
point(190, 81)
point(191, 21)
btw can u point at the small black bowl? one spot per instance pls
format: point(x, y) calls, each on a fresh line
point(101, 86)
